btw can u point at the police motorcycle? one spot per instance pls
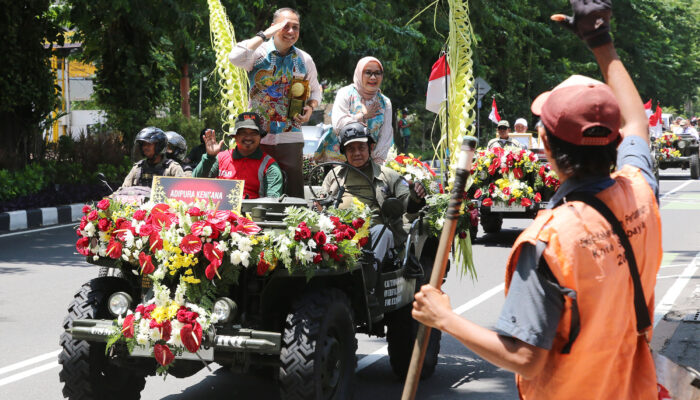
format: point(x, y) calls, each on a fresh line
point(299, 329)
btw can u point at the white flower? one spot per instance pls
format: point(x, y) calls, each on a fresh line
point(138, 243)
point(440, 221)
point(245, 258)
point(245, 244)
point(236, 257)
point(126, 252)
point(155, 334)
point(142, 338)
point(206, 231)
point(129, 238)
point(180, 292)
point(223, 246)
point(104, 236)
point(312, 244)
point(89, 230)
point(305, 256)
point(125, 257)
point(95, 257)
point(325, 224)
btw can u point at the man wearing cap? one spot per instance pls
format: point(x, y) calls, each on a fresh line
point(273, 62)
point(568, 328)
point(247, 162)
point(503, 140)
point(520, 125)
point(687, 129)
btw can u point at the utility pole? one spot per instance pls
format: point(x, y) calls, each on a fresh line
point(201, 88)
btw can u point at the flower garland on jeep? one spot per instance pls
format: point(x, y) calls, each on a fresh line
point(666, 153)
point(666, 141)
point(414, 170)
point(511, 176)
point(201, 251)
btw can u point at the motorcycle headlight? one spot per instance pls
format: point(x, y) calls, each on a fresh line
point(119, 303)
point(682, 144)
point(225, 309)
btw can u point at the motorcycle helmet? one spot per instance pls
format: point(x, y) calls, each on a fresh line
point(354, 132)
point(153, 135)
point(177, 146)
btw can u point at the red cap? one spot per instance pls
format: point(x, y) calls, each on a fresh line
point(577, 104)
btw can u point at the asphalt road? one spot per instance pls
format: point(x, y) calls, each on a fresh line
point(40, 271)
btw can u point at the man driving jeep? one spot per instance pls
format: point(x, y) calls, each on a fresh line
point(357, 144)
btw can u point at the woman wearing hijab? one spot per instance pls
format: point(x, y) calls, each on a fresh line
point(362, 101)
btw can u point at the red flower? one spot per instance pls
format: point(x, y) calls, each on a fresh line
point(83, 222)
point(114, 249)
point(163, 354)
point(128, 326)
point(263, 265)
point(160, 220)
point(103, 204)
point(511, 200)
point(139, 215)
point(191, 336)
point(165, 328)
point(543, 171)
point(146, 263)
point(86, 209)
point(160, 207)
point(122, 226)
point(245, 226)
point(302, 232)
point(93, 215)
point(492, 187)
point(215, 257)
point(525, 202)
point(198, 227)
point(462, 234)
point(104, 224)
point(336, 221)
point(83, 246)
point(478, 193)
point(498, 151)
point(538, 197)
point(473, 216)
point(362, 242)
point(155, 242)
point(357, 223)
point(495, 163)
point(195, 212)
point(532, 157)
point(487, 202)
point(146, 230)
point(320, 238)
point(318, 258)
point(332, 251)
point(185, 316)
point(191, 244)
point(518, 173)
point(506, 190)
point(510, 160)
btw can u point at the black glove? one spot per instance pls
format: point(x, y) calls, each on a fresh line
point(591, 21)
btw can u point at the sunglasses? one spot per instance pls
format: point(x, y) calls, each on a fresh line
point(370, 74)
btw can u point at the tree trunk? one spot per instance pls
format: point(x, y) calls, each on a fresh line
point(185, 90)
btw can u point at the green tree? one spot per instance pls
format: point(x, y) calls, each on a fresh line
point(27, 90)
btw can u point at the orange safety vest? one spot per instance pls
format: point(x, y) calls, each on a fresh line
point(250, 170)
point(607, 360)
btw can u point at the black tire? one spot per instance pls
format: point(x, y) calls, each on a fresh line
point(694, 166)
point(86, 371)
point(491, 222)
point(473, 231)
point(401, 331)
point(318, 348)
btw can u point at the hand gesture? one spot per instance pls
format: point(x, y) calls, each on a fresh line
point(590, 22)
point(371, 111)
point(431, 307)
point(300, 119)
point(213, 148)
point(419, 189)
point(274, 28)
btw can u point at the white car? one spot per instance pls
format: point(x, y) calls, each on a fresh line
point(312, 136)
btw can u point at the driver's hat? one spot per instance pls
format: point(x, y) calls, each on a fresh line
point(249, 120)
point(354, 132)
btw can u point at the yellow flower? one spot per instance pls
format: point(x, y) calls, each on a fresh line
point(160, 314)
point(191, 279)
point(172, 310)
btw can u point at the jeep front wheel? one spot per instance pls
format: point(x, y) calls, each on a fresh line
point(401, 330)
point(86, 371)
point(491, 222)
point(694, 166)
point(318, 348)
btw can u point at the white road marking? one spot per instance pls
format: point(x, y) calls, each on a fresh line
point(675, 290)
point(37, 230)
point(370, 359)
point(33, 360)
point(677, 188)
point(28, 373)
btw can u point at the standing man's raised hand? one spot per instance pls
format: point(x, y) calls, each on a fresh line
point(213, 148)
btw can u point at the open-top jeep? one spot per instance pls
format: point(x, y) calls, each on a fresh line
point(302, 323)
point(677, 151)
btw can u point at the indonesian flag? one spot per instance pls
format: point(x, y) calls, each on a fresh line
point(494, 112)
point(647, 108)
point(439, 80)
point(654, 123)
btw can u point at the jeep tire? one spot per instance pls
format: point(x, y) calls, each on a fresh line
point(491, 222)
point(401, 331)
point(694, 166)
point(318, 348)
point(86, 371)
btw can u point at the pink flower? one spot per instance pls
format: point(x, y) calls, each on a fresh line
point(103, 204)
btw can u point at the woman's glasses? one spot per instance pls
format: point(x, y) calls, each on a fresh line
point(370, 74)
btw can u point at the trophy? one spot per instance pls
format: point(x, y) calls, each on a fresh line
point(298, 93)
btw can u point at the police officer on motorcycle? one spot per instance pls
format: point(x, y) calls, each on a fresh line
point(151, 143)
point(177, 149)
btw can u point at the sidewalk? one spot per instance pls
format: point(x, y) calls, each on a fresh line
point(36, 218)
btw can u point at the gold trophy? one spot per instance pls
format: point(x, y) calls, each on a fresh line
point(298, 93)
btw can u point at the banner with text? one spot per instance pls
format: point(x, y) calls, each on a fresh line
point(227, 194)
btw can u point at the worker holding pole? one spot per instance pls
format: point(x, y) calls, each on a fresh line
point(570, 326)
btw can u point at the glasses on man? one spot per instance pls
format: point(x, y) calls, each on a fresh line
point(370, 74)
point(502, 128)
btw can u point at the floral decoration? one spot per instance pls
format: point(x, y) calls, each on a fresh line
point(667, 153)
point(666, 141)
point(414, 170)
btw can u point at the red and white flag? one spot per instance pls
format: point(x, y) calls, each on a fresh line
point(655, 123)
point(647, 108)
point(494, 113)
point(439, 80)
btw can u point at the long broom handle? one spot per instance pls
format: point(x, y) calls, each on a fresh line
point(464, 164)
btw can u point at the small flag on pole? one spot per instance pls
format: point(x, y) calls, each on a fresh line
point(494, 112)
point(438, 82)
point(647, 108)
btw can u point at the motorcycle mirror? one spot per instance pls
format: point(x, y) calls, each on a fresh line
point(392, 208)
point(103, 179)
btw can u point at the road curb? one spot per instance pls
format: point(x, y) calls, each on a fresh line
point(38, 217)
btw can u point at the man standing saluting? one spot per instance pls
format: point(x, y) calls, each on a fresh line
point(272, 65)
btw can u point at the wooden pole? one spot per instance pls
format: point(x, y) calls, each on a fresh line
point(464, 164)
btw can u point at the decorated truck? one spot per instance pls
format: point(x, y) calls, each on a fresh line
point(510, 183)
point(275, 285)
point(677, 151)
